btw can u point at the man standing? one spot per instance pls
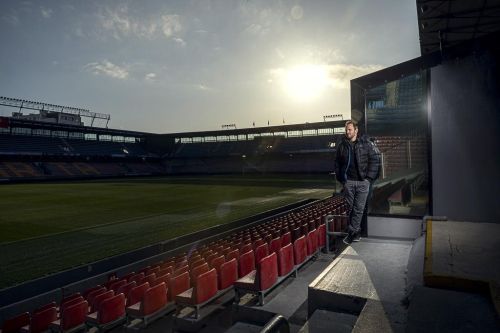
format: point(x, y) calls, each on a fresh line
point(356, 166)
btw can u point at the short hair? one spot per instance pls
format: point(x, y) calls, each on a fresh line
point(351, 122)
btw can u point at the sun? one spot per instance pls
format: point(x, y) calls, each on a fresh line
point(305, 83)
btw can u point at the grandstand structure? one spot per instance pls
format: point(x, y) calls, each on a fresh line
point(429, 256)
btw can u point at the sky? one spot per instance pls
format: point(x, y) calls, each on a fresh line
point(174, 66)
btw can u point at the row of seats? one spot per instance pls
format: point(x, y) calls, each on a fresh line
point(251, 260)
point(14, 170)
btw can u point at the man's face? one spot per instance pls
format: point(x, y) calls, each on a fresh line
point(350, 132)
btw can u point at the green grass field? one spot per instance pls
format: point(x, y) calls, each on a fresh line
point(49, 227)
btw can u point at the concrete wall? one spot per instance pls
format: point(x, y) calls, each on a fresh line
point(465, 127)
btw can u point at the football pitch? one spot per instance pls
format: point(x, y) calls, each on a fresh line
point(49, 227)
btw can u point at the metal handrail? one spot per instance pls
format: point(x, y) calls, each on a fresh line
point(277, 324)
point(329, 219)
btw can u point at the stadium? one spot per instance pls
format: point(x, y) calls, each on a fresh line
point(240, 229)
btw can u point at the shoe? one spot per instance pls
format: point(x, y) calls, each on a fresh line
point(348, 239)
point(356, 237)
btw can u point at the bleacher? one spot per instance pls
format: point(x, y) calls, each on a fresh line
point(250, 260)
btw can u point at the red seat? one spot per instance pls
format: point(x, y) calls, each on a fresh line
point(155, 299)
point(111, 313)
point(312, 242)
point(246, 263)
point(217, 262)
point(149, 279)
point(45, 307)
point(160, 279)
point(41, 320)
point(70, 302)
point(100, 298)
point(93, 294)
point(196, 263)
point(197, 271)
point(135, 295)
point(275, 245)
point(261, 251)
point(181, 270)
point(153, 270)
point(178, 284)
point(14, 324)
point(204, 288)
point(137, 277)
point(87, 292)
point(246, 247)
point(233, 254)
point(321, 236)
point(286, 238)
point(125, 289)
point(72, 317)
point(227, 274)
point(300, 250)
point(285, 260)
point(261, 279)
point(117, 284)
point(70, 298)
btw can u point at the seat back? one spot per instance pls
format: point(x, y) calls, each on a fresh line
point(71, 302)
point(261, 251)
point(300, 250)
point(321, 236)
point(286, 238)
point(111, 309)
point(227, 274)
point(40, 320)
point(197, 271)
point(74, 315)
point(275, 245)
point(14, 324)
point(137, 293)
point(233, 254)
point(154, 299)
point(100, 298)
point(148, 278)
point(246, 247)
point(125, 289)
point(179, 284)
point(70, 298)
point(268, 271)
point(117, 284)
point(205, 286)
point(45, 307)
point(137, 277)
point(312, 242)
point(181, 270)
point(285, 260)
point(217, 262)
point(87, 292)
point(246, 263)
point(93, 294)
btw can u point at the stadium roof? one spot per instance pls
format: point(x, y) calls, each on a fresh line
point(446, 23)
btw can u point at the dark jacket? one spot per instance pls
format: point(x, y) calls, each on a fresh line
point(367, 155)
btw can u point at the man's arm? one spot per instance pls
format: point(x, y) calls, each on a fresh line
point(373, 162)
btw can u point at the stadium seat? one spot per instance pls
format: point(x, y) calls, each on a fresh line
point(286, 238)
point(45, 307)
point(205, 287)
point(135, 294)
point(100, 298)
point(14, 324)
point(275, 245)
point(40, 321)
point(246, 263)
point(153, 305)
point(111, 313)
point(137, 277)
point(178, 284)
point(71, 302)
point(321, 236)
point(233, 254)
point(70, 298)
point(261, 251)
point(300, 250)
point(216, 262)
point(149, 279)
point(93, 294)
point(312, 242)
point(125, 289)
point(196, 271)
point(181, 270)
point(261, 279)
point(117, 284)
point(227, 274)
point(285, 260)
point(72, 318)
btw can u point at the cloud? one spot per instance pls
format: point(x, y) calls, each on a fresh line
point(46, 12)
point(150, 76)
point(12, 18)
point(170, 25)
point(180, 41)
point(121, 24)
point(107, 68)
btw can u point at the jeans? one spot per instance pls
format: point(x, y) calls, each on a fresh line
point(356, 193)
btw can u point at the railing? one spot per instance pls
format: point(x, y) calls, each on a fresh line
point(277, 324)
